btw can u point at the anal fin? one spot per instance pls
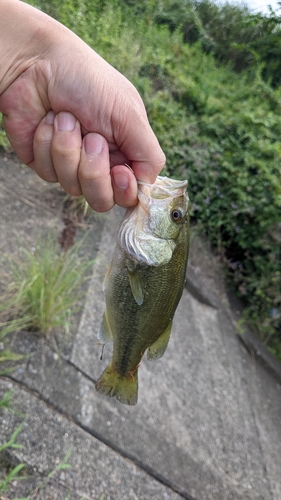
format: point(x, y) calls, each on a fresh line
point(157, 349)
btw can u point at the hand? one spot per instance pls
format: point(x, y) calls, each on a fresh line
point(69, 115)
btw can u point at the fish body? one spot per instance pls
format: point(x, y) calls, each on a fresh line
point(144, 283)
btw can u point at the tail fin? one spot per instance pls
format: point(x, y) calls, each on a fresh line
point(124, 388)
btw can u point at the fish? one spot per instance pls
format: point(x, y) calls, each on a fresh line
point(144, 283)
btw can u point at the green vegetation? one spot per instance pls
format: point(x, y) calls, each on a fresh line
point(77, 207)
point(4, 143)
point(231, 33)
point(42, 288)
point(210, 78)
point(42, 291)
point(8, 326)
point(14, 473)
point(5, 402)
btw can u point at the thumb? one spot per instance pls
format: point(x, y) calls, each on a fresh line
point(137, 140)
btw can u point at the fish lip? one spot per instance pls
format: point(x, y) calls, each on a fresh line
point(164, 188)
point(167, 183)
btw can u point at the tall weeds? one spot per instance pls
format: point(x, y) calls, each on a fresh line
point(43, 288)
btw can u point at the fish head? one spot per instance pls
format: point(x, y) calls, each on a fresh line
point(166, 205)
point(149, 231)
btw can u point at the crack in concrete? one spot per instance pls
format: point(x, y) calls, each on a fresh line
point(144, 467)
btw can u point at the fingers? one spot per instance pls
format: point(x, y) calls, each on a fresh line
point(102, 186)
point(66, 151)
point(81, 166)
point(43, 163)
point(125, 186)
point(94, 173)
point(57, 149)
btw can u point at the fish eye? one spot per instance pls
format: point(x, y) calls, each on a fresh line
point(176, 215)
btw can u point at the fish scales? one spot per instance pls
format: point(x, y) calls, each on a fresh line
point(144, 285)
point(160, 286)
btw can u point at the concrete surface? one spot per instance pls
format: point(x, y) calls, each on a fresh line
point(208, 421)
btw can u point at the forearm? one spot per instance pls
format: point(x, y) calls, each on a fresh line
point(25, 35)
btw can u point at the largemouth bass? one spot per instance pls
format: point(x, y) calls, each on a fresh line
point(144, 283)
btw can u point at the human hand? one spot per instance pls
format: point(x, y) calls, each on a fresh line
point(69, 115)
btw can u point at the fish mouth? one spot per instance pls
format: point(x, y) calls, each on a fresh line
point(164, 187)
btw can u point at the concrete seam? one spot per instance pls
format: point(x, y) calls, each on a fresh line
point(148, 470)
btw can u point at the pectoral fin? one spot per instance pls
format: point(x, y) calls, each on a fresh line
point(156, 350)
point(136, 286)
point(106, 278)
point(104, 334)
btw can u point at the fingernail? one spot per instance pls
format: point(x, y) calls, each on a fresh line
point(65, 121)
point(121, 180)
point(93, 144)
point(49, 118)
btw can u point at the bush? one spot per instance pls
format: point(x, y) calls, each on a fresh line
point(225, 139)
point(230, 32)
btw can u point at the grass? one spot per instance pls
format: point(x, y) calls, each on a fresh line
point(43, 288)
point(77, 207)
point(13, 475)
point(5, 403)
point(8, 327)
point(4, 142)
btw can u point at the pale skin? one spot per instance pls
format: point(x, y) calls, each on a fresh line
point(69, 115)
